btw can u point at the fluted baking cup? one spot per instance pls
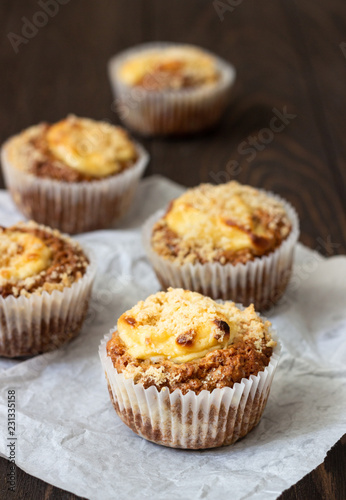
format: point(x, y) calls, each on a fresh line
point(73, 207)
point(166, 112)
point(43, 322)
point(261, 281)
point(190, 421)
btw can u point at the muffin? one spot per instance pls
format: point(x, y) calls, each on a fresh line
point(75, 175)
point(45, 284)
point(229, 241)
point(167, 88)
point(187, 372)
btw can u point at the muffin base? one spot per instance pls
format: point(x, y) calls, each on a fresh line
point(74, 207)
point(44, 322)
point(261, 281)
point(190, 421)
point(177, 112)
point(250, 294)
point(233, 423)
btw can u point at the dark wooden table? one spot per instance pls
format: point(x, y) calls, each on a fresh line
point(289, 55)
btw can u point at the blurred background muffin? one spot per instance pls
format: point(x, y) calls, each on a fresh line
point(170, 89)
point(75, 175)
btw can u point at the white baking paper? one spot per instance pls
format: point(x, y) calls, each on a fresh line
point(68, 433)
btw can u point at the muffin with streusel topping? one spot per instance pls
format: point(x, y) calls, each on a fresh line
point(168, 88)
point(75, 175)
point(187, 372)
point(229, 241)
point(45, 285)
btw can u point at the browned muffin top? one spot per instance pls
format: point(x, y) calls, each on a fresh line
point(35, 258)
point(182, 340)
point(169, 68)
point(73, 150)
point(228, 223)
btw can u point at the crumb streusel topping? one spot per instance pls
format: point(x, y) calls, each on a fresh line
point(181, 325)
point(182, 337)
point(169, 68)
point(73, 150)
point(35, 258)
point(225, 223)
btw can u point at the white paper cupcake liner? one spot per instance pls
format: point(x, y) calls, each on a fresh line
point(43, 322)
point(190, 421)
point(169, 112)
point(73, 207)
point(260, 282)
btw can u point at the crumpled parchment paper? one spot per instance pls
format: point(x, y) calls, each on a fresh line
point(68, 433)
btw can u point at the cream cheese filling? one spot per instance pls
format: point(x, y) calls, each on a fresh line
point(180, 325)
point(91, 147)
point(22, 255)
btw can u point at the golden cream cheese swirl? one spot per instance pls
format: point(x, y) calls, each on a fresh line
point(180, 326)
point(228, 216)
point(193, 223)
point(91, 147)
point(22, 255)
point(149, 67)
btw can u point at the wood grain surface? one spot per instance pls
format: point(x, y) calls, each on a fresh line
point(290, 58)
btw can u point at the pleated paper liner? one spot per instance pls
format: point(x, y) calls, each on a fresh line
point(190, 421)
point(261, 281)
point(168, 112)
point(74, 207)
